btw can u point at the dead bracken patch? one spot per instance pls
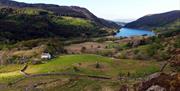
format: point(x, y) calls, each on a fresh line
point(89, 47)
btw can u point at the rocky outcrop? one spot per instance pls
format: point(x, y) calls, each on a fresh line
point(124, 88)
point(156, 88)
point(160, 82)
point(175, 60)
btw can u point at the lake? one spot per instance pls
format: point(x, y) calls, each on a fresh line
point(127, 32)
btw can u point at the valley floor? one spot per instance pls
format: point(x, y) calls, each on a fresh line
point(96, 65)
point(80, 71)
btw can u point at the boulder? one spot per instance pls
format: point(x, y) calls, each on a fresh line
point(156, 88)
point(160, 82)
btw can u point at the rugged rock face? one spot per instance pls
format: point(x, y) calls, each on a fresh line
point(160, 82)
point(156, 88)
point(72, 11)
point(124, 88)
point(156, 20)
point(175, 60)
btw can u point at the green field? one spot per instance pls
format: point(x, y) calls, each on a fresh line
point(108, 67)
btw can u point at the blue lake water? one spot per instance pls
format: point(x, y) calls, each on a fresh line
point(127, 32)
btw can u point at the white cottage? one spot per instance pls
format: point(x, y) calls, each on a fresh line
point(46, 56)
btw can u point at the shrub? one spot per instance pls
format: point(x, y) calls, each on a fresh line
point(146, 51)
point(127, 45)
point(155, 39)
point(135, 51)
point(162, 56)
point(106, 52)
point(122, 55)
point(83, 49)
point(141, 56)
point(97, 65)
point(99, 46)
point(151, 49)
point(177, 43)
point(75, 69)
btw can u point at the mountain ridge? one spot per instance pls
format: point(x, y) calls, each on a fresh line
point(73, 11)
point(155, 20)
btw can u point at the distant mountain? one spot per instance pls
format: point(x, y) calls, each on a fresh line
point(124, 20)
point(72, 11)
point(155, 20)
point(120, 23)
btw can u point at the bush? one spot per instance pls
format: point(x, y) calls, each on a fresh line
point(97, 65)
point(75, 69)
point(126, 46)
point(141, 56)
point(135, 51)
point(162, 56)
point(147, 51)
point(177, 43)
point(122, 55)
point(155, 39)
point(83, 49)
point(151, 49)
point(106, 52)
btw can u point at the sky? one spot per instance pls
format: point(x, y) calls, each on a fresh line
point(118, 9)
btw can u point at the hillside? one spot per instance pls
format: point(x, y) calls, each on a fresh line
point(28, 32)
point(72, 11)
point(29, 23)
point(156, 20)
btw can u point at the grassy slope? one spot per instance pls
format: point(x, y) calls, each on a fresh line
point(65, 20)
point(172, 27)
point(73, 21)
point(66, 63)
